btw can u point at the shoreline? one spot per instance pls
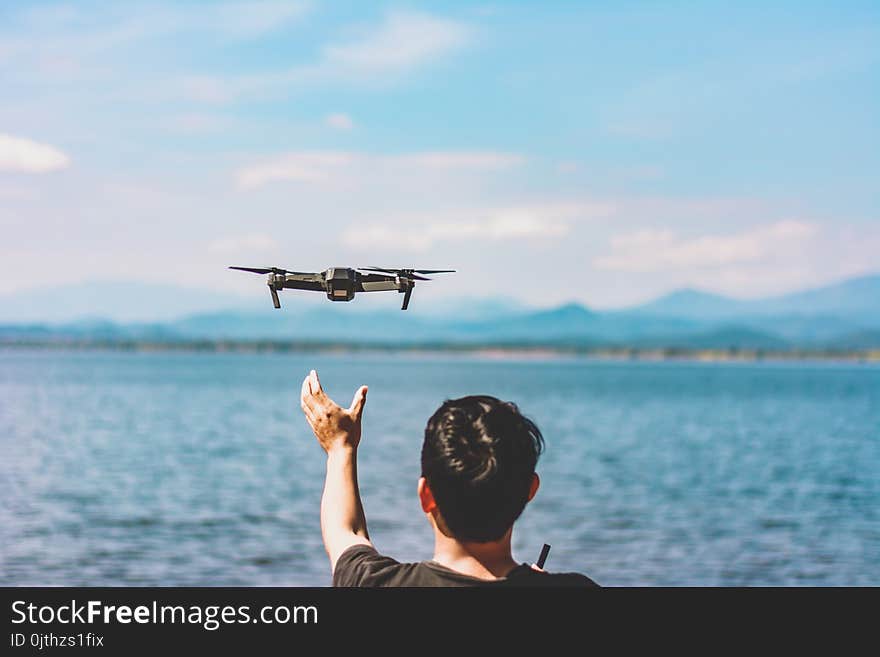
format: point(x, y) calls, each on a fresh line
point(486, 351)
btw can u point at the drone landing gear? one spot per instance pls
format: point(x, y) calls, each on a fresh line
point(276, 282)
point(406, 296)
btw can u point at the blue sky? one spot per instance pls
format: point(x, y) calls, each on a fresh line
point(615, 151)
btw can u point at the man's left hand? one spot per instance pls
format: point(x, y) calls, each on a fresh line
point(335, 427)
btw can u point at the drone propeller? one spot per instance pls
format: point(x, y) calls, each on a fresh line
point(274, 284)
point(263, 270)
point(410, 273)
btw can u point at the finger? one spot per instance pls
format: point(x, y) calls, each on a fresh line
point(305, 394)
point(357, 404)
point(305, 405)
point(309, 405)
point(315, 384)
point(307, 401)
point(310, 415)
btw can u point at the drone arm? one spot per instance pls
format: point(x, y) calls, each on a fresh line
point(374, 283)
point(302, 283)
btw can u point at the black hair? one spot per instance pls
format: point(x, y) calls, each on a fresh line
point(478, 457)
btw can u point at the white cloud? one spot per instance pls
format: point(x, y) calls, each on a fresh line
point(547, 221)
point(121, 23)
point(661, 250)
point(197, 124)
point(381, 53)
point(322, 166)
point(339, 121)
point(473, 160)
point(252, 243)
point(567, 166)
point(74, 43)
point(248, 19)
point(299, 167)
point(208, 89)
point(17, 194)
point(400, 43)
point(20, 155)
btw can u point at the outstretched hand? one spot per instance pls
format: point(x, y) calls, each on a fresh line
point(335, 427)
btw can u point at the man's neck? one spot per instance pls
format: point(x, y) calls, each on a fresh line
point(483, 560)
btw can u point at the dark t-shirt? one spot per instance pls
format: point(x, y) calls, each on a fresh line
point(362, 565)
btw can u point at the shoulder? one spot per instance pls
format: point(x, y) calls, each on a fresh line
point(363, 565)
point(571, 579)
point(525, 575)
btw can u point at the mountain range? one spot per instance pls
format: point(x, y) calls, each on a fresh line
point(845, 315)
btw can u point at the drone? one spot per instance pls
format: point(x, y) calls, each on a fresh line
point(342, 283)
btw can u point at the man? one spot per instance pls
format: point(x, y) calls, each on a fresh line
point(478, 473)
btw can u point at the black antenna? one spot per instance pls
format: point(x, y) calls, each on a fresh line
point(544, 552)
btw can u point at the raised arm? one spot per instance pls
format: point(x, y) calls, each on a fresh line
point(338, 431)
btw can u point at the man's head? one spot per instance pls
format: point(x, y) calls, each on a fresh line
point(478, 460)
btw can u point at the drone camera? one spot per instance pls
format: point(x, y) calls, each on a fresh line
point(341, 284)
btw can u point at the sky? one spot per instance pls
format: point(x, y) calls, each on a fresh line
point(598, 152)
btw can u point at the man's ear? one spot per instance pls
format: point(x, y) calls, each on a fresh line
point(426, 497)
point(533, 487)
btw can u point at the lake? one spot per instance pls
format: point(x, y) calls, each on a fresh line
point(199, 468)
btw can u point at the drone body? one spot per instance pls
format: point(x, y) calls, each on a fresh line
point(342, 283)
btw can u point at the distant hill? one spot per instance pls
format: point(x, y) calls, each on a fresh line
point(116, 301)
point(687, 303)
point(562, 322)
point(845, 315)
point(868, 339)
point(856, 300)
point(131, 301)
